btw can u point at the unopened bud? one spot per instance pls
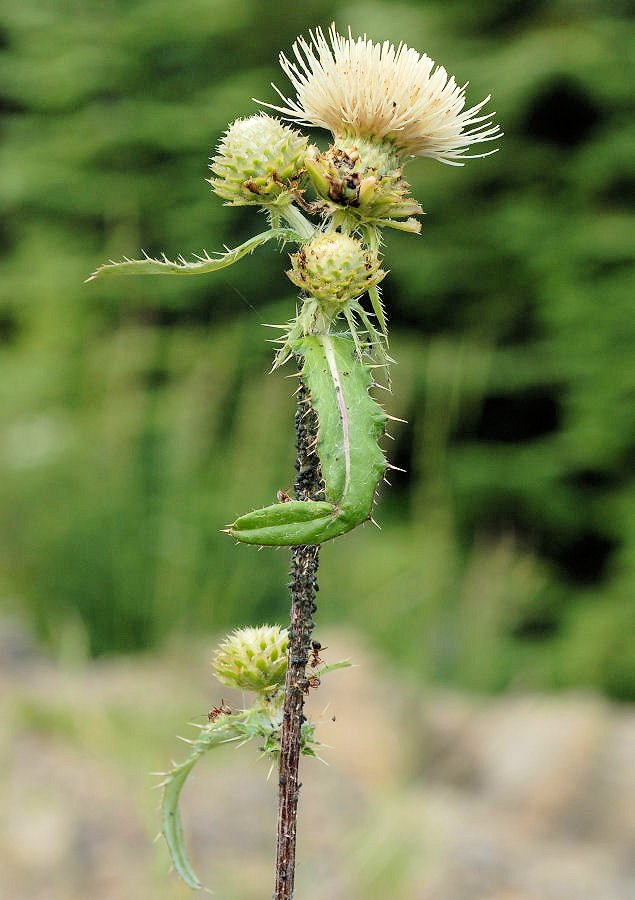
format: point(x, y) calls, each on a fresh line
point(257, 161)
point(335, 268)
point(253, 659)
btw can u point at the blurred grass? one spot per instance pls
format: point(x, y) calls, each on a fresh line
point(137, 416)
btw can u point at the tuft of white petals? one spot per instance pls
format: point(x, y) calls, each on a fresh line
point(356, 88)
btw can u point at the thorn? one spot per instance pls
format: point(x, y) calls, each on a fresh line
point(184, 739)
point(227, 530)
point(396, 419)
point(389, 435)
point(387, 482)
point(396, 468)
point(157, 838)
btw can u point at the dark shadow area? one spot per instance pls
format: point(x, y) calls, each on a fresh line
point(562, 113)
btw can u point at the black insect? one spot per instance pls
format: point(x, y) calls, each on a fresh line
point(314, 658)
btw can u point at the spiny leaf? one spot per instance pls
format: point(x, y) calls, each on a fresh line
point(352, 463)
point(212, 736)
point(199, 266)
point(332, 667)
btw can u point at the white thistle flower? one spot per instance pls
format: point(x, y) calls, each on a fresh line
point(359, 89)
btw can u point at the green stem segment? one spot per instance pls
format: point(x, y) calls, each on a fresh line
point(297, 221)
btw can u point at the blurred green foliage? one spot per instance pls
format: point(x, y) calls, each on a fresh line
point(138, 418)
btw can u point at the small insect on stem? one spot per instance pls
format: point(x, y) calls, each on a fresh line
point(283, 497)
point(312, 682)
point(223, 710)
point(315, 659)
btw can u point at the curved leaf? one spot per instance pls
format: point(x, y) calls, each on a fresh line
point(212, 735)
point(201, 265)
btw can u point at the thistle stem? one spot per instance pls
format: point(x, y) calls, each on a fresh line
point(297, 220)
point(303, 586)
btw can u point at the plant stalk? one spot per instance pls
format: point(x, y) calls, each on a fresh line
point(303, 586)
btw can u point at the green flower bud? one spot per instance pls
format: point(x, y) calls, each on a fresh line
point(258, 160)
point(363, 179)
point(253, 659)
point(335, 268)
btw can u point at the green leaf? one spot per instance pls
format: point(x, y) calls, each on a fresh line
point(350, 426)
point(213, 735)
point(202, 264)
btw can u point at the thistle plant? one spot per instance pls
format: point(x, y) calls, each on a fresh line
point(251, 660)
point(383, 106)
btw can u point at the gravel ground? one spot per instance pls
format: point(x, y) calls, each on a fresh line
point(427, 795)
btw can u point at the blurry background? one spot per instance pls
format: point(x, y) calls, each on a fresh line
point(137, 417)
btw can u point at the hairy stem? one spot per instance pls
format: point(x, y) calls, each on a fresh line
point(303, 586)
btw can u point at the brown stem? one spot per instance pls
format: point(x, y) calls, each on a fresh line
point(303, 586)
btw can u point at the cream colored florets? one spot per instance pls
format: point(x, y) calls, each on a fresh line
point(361, 89)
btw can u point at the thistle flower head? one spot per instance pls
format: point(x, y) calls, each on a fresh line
point(334, 268)
point(356, 88)
point(257, 161)
point(367, 183)
point(253, 659)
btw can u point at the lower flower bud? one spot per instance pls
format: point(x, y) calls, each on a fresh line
point(253, 659)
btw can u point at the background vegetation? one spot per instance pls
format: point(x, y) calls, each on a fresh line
point(137, 416)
